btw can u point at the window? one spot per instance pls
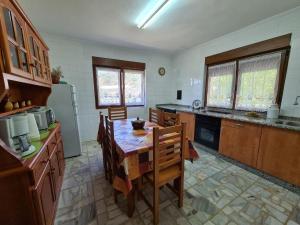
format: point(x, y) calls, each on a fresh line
point(250, 80)
point(134, 87)
point(220, 85)
point(258, 82)
point(118, 82)
point(109, 83)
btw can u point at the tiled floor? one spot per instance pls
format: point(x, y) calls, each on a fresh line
point(216, 193)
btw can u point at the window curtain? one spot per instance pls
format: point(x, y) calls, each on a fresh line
point(220, 85)
point(258, 82)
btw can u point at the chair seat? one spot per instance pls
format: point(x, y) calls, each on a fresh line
point(166, 175)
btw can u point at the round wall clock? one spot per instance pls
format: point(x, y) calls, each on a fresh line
point(161, 71)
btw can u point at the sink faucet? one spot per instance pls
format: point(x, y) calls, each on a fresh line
point(296, 100)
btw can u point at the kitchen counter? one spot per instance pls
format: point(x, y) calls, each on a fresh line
point(278, 123)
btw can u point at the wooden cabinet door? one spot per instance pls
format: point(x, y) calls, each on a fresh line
point(46, 66)
point(279, 154)
point(45, 198)
point(15, 41)
point(36, 57)
point(240, 141)
point(55, 171)
point(189, 119)
point(61, 157)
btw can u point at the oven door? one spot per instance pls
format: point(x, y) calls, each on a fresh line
point(208, 135)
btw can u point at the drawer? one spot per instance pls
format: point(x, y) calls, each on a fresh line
point(238, 124)
point(40, 165)
point(51, 144)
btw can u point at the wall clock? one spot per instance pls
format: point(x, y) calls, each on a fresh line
point(161, 71)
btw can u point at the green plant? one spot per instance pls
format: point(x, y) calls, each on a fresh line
point(56, 72)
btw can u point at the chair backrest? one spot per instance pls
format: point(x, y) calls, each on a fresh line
point(169, 119)
point(155, 115)
point(117, 113)
point(111, 147)
point(168, 148)
point(101, 129)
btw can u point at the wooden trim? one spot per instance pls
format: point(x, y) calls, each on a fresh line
point(116, 63)
point(16, 111)
point(281, 43)
point(266, 46)
point(122, 66)
point(25, 80)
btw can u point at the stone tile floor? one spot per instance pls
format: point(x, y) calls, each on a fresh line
point(216, 193)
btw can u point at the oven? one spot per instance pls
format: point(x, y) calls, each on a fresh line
point(207, 131)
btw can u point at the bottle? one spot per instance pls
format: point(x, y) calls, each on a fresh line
point(273, 112)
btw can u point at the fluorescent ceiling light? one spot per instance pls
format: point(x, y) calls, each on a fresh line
point(150, 12)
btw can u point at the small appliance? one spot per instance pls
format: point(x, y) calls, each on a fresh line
point(34, 133)
point(44, 116)
point(14, 132)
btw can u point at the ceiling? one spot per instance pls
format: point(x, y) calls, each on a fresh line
point(184, 24)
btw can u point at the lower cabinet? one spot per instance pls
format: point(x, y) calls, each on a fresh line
point(45, 197)
point(240, 141)
point(189, 119)
point(55, 172)
point(279, 154)
point(30, 190)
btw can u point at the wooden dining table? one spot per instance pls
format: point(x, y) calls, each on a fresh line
point(134, 148)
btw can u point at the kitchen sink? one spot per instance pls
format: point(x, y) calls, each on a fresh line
point(294, 124)
point(215, 111)
point(288, 123)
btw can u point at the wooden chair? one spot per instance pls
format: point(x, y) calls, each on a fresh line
point(102, 141)
point(168, 165)
point(169, 119)
point(110, 149)
point(155, 115)
point(117, 113)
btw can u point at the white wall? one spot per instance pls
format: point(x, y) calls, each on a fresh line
point(75, 58)
point(189, 65)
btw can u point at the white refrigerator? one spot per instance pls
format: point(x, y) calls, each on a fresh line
point(63, 101)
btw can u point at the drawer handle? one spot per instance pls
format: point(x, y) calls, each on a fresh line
point(239, 125)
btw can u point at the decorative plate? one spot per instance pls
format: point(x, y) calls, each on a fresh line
point(161, 71)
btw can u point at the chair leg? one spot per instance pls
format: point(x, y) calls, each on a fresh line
point(156, 206)
point(116, 196)
point(179, 184)
point(130, 203)
point(139, 188)
point(105, 165)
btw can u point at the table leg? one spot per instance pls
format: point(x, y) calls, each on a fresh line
point(131, 203)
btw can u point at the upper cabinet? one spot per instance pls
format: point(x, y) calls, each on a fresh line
point(24, 51)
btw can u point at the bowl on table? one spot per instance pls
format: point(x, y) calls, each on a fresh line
point(138, 124)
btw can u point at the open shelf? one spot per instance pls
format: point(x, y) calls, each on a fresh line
point(16, 111)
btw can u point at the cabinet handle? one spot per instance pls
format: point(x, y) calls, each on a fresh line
point(239, 125)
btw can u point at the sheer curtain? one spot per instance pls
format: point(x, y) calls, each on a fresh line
point(220, 85)
point(258, 82)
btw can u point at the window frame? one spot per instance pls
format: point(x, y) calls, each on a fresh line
point(122, 66)
point(278, 44)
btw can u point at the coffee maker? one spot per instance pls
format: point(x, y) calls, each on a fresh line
point(14, 131)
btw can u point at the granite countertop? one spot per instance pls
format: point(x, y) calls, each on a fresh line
point(279, 123)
